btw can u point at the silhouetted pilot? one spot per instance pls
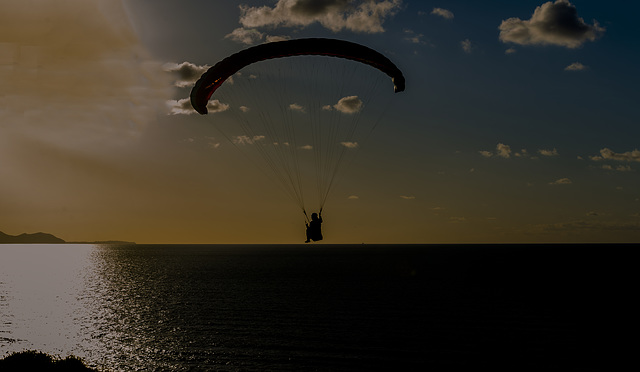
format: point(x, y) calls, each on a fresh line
point(314, 232)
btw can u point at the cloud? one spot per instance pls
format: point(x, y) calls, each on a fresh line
point(552, 23)
point(405, 197)
point(608, 154)
point(183, 107)
point(486, 154)
point(252, 36)
point(353, 197)
point(544, 152)
point(576, 66)
point(187, 73)
point(366, 16)
point(414, 38)
point(561, 181)
point(619, 168)
point(466, 45)
point(246, 140)
point(350, 145)
point(444, 13)
point(503, 150)
point(306, 147)
point(510, 51)
point(245, 36)
point(296, 107)
point(348, 105)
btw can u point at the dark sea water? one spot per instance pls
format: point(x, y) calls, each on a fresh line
point(313, 307)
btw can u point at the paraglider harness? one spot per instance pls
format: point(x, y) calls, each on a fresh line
point(313, 225)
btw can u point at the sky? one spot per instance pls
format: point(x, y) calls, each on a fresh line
point(518, 122)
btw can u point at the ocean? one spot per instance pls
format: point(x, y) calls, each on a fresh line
point(313, 307)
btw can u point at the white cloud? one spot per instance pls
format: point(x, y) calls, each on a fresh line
point(187, 73)
point(350, 145)
point(561, 181)
point(576, 66)
point(619, 168)
point(244, 108)
point(183, 107)
point(353, 197)
point(405, 197)
point(246, 140)
point(414, 38)
point(444, 13)
point(544, 152)
point(486, 154)
point(552, 23)
point(503, 150)
point(510, 51)
point(349, 105)
point(608, 154)
point(466, 45)
point(245, 36)
point(252, 36)
point(365, 16)
point(296, 107)
point(306, 147)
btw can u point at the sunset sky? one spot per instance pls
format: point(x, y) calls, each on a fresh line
point(519, 122)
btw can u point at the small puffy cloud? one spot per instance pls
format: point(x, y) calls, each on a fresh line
point(466, 45)
point(576, 66)
point(306, 147)
point(183, 107)
point(353, 197)
point(349, 105)
point(414, 38)
point(296, 107)
point(444, 13)
point(245, 36)
point(246, 140)
point(544, 152)
point(350, 145)
point(510, 51)
point(250, 36)
point(561, 181)
point(619, 168)
point(365, 16)
point(244, 108)
point(503, 150)
point(211, 142)
point(486, 154)
point(187, 73)
point(552, 23)
point(608, 154)
point(406, 197)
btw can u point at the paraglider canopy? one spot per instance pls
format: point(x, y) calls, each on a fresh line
point(301, 118)
point(216, 75)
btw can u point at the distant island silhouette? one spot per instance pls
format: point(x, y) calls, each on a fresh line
point(45, 238)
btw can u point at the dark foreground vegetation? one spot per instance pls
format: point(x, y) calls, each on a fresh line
point(37, 361)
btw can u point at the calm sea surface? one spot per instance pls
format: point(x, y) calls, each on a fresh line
point(310, 307)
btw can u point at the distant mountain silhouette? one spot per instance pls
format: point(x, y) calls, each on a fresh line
point(29, 238)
